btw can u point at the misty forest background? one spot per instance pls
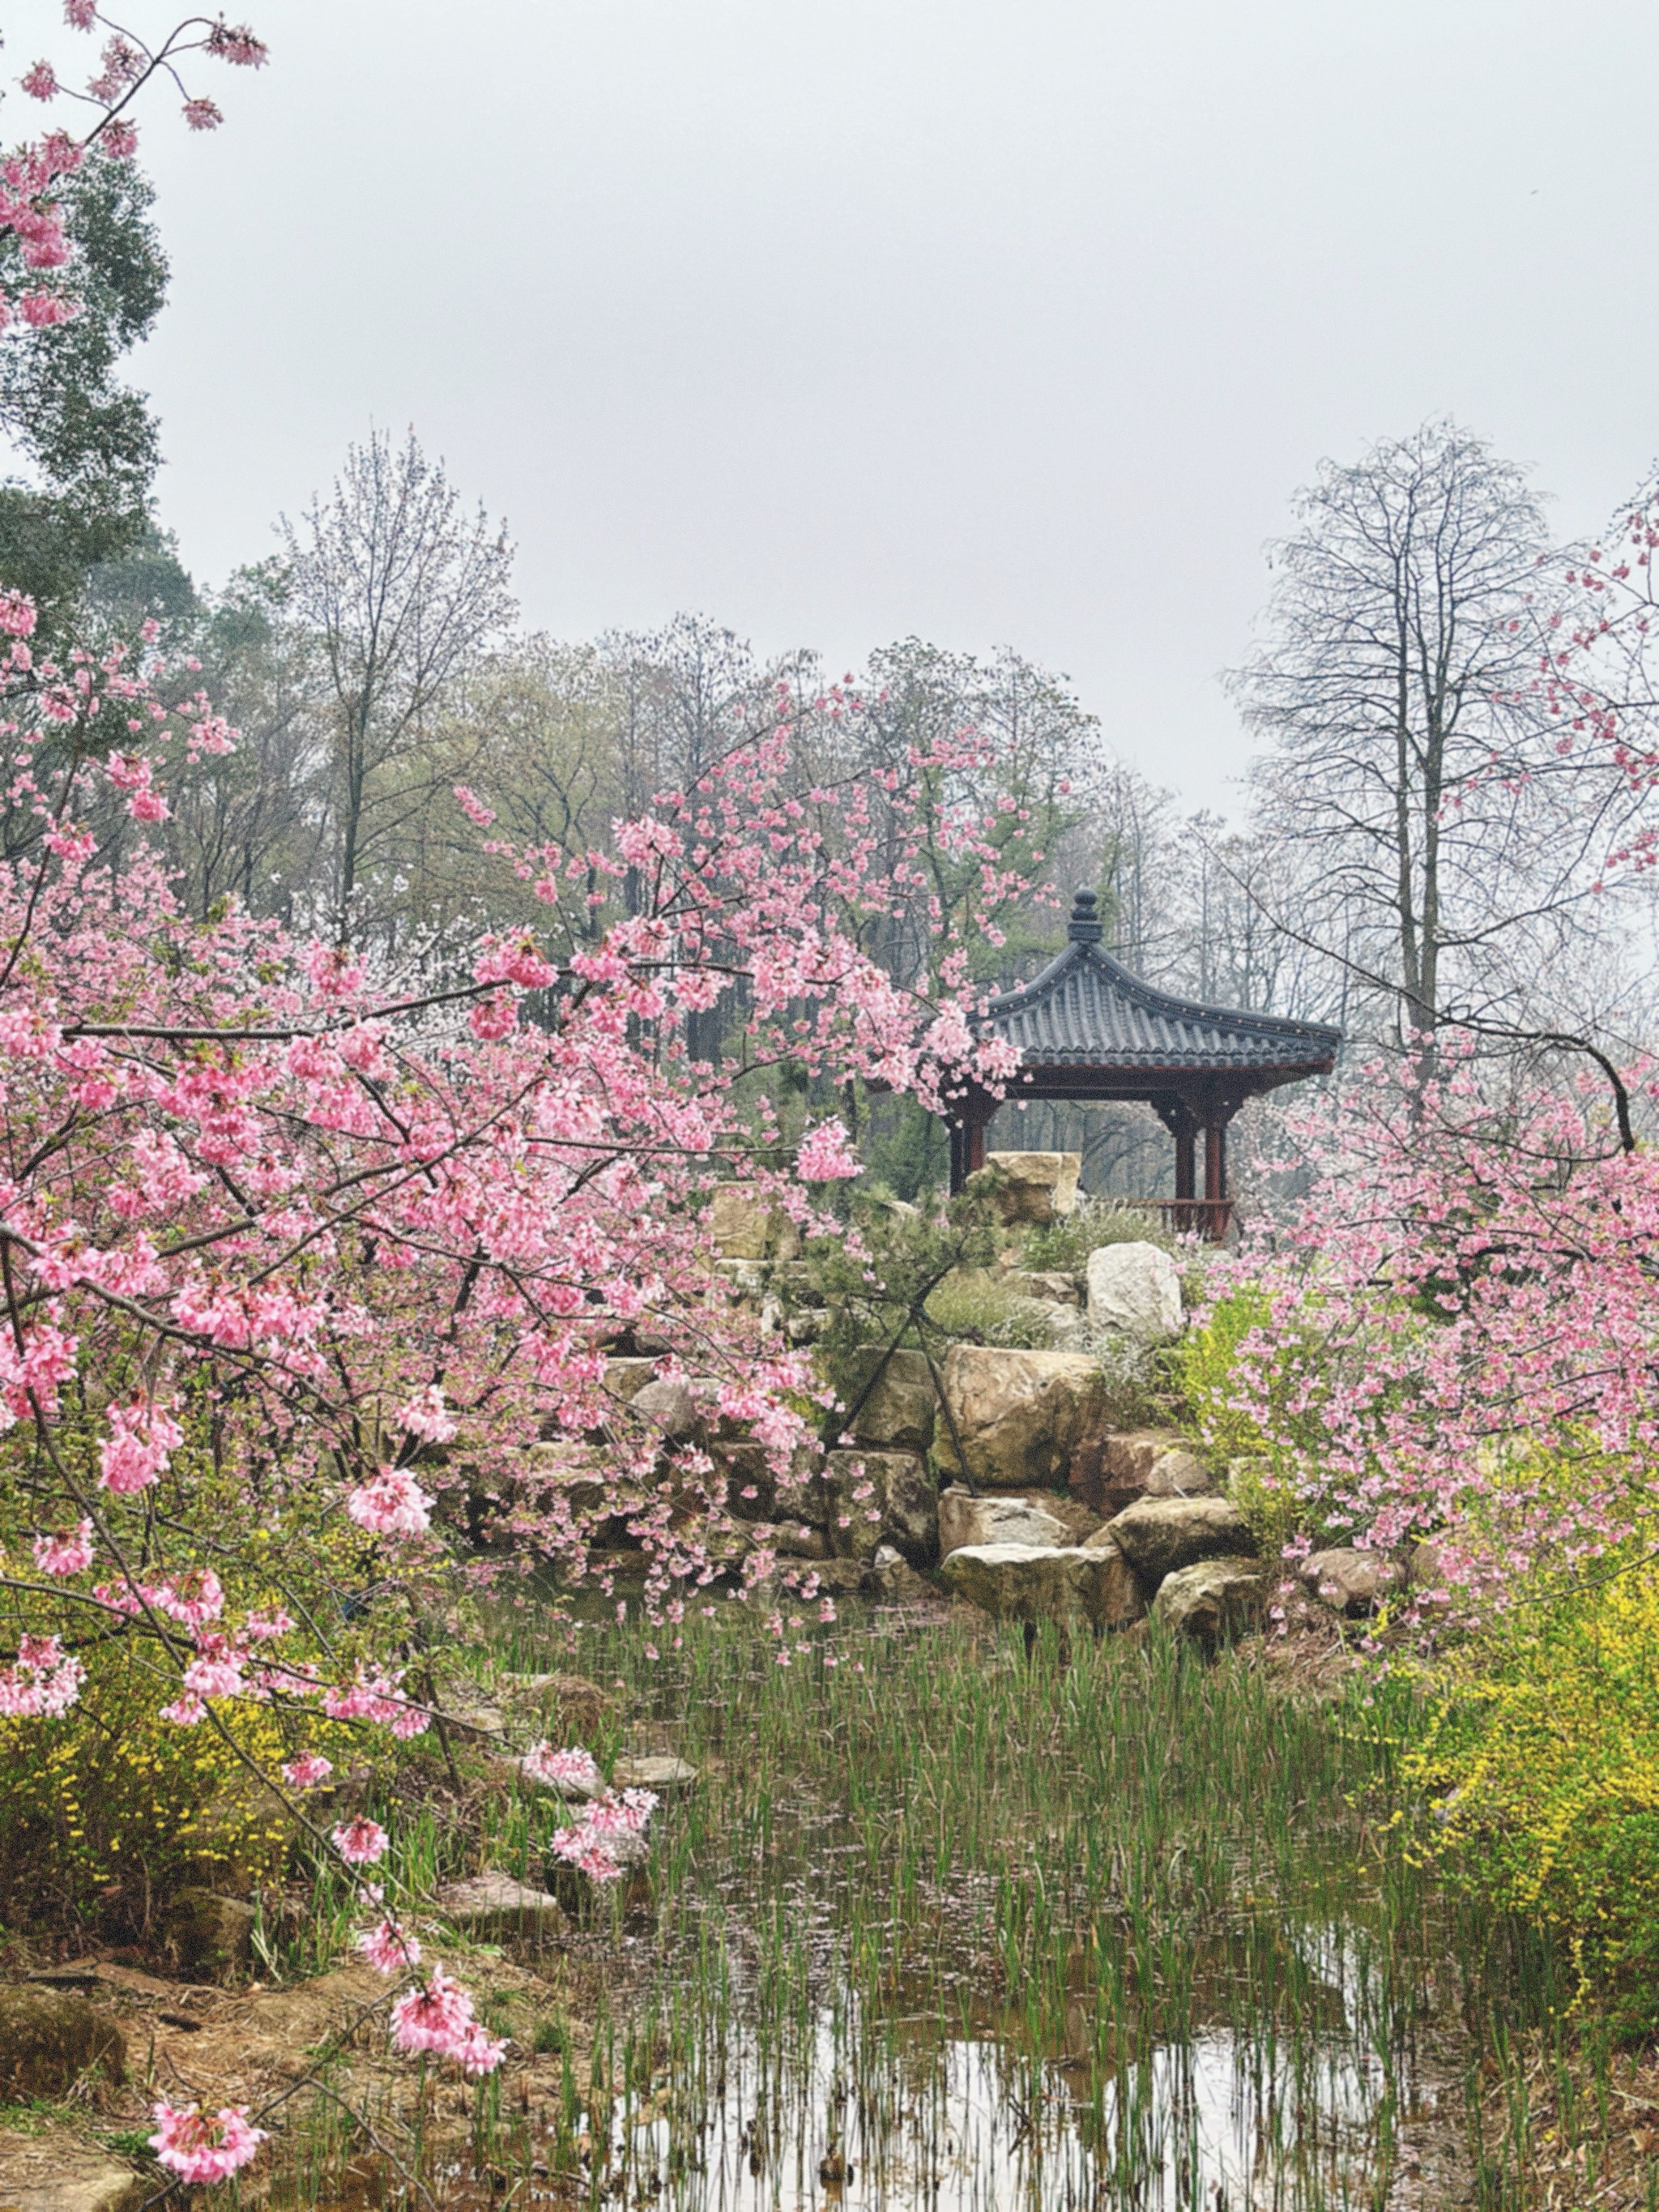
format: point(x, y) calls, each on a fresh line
point(1375, 869)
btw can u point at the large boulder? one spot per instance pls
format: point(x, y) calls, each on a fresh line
point(876, 1496)
point(1160, 1537)
point(210, 1936)
point(1039, 1581)
point(51, 2169)
point(1109, 1473)
point(668, 1404)
point(1031, 1187)
point(1020, 1415)
point(746, 1226)
point(896, 1408)
point(1353, 1583)
point(49, 2039)
point(1213, 1601)
point(1135, 1291)
point(625, 1378)
point(965, 1519)
point(568, 1707)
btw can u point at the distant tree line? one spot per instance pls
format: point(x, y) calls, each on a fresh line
point(1417, 848)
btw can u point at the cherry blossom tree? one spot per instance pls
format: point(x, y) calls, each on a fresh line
point(1451, 1334)
point(309, 1279)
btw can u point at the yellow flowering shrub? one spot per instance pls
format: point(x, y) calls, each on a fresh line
point(1539, 1755)
point(109, 1808)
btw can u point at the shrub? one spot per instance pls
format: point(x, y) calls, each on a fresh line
point(973, 1306)
point(110, 1809)
point(1064, 1246)
point(1541, 1754)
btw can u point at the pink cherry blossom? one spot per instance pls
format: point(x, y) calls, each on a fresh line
point(200, 2146)
point(393, 1504)
point(434, 2016)
point(44, 1683)
point(426, 1415)
point(136, 1452)
point(825, 1155)
point(389, 1947)
point(475, 2051)
point(64, 1552)
point(359, 1842)
point(308, 1771)
point(575, 1767)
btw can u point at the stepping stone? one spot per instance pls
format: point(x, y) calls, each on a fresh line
point(488, 1906)
point(669, 1778)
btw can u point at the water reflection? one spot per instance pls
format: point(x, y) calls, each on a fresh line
point(865, 2113)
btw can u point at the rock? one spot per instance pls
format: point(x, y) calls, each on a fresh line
point(1178, 1475)
point(49, 2039)
point(1135, 1290)
point(626, 1378)
point(751, 1487)
point(1045, 1288)
point(1161, 1536)
point(795, 1540)
point(843, 1577)
point(1039, 1581)
point(488, 1906)
point(1020, 1414)
point(965, 1519)
point(566, 1468)
point(899, 1410)
point(669, 1406)
point(1031, 1187)
point(896, 1580)
point(669, 1778)
point(54, 2171)
point(210, 1935)
point(472, 1715)
point(1078, 1520)
point(1350, 1582)
point(569, 1701)
point(1213, 1601)
point(900, 1505)
point(607, 1563)
point(746, 1226)
point(1109, 1473)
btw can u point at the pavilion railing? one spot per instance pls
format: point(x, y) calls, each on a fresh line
point(1208, 1218)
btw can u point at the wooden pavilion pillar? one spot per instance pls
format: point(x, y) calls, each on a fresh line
point(1215, 1162)
point(968, 1140)
point(1186, 1161)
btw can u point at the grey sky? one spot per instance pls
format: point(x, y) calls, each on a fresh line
point(840, 320)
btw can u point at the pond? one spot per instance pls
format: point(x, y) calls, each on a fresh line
point(943, 1926)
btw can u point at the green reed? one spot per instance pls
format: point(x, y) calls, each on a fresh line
point(1077, 1882)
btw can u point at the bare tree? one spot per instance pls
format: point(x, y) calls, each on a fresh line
point(405, 593)
point(1395, 690)
point(243, 824)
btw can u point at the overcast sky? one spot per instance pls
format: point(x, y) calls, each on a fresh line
point(845, 319)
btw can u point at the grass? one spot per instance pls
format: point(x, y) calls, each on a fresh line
point(1107, 1928)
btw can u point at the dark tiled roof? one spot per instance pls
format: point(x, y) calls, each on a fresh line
point(1086, 1010)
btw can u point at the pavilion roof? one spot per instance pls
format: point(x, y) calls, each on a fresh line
point(1087, 1011)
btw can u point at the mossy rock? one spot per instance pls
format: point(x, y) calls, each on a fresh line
point(49, 2039)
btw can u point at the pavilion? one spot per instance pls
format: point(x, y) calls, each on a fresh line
point(1087, 1029)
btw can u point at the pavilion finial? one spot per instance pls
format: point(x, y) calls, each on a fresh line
point(1083, 927)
